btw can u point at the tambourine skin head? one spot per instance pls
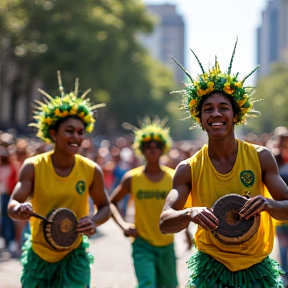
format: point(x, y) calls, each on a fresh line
point(233, 229)
point(61, 233)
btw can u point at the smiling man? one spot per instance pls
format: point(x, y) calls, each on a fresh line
point(60, 179)
point(218, 101)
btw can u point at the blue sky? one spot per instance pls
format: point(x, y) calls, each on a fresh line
point(212, 27)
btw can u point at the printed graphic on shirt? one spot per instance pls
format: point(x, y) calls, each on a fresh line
point(80, 187)
point(158, 195)
point(247, 178)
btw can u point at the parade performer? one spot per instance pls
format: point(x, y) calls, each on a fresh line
point(226, 165)
point(153, 253)
point(60, 179)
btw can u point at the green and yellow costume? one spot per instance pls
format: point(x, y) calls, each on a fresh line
point(217, 265)
point(44, 266)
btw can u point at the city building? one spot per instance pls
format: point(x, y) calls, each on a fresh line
point(168, 38)
point(272, 36)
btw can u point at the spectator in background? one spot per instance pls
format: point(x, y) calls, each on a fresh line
point(8, 179)
point(282, 161)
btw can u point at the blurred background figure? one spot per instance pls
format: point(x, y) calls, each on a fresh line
point(8, 179)
point(282, 160)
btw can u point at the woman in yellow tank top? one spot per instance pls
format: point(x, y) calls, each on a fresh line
point(60, 179)
point(218, 101)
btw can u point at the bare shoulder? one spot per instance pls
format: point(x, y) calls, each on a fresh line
point(27, 171)
point(98, 168)
point(183, 165)
point(263, 151)
point(266, 157)
point(183, 172)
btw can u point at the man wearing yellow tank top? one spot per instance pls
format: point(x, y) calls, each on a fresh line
point(218, 101)
point(153, 253)
point(55, 180)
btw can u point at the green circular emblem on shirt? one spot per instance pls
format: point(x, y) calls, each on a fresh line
point(80, 187)
point(247, 178)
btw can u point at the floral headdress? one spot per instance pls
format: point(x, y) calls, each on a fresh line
point(151, 130)
point(60, 107)
point(215, 80)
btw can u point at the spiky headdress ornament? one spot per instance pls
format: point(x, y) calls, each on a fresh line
point(212, 81)
point(151, 130)
point(54, 109)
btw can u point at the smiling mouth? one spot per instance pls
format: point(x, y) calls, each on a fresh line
point(73, 144)
point(218, 124)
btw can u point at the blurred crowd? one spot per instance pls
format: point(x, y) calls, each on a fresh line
point(115, 158)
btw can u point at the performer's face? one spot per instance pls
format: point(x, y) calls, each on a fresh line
point(69, 135)
point(152, 150)
point(217, 116)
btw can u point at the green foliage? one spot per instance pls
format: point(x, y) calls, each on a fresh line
point(273, 90)
point(96, 41)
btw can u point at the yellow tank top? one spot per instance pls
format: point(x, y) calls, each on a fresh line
point(52, 191)
point(208, 185)
point(149, 198)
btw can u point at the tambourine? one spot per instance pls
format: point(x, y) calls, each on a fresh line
point(60, 228)
point(232, 228)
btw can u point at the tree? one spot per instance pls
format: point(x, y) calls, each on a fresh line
point(273, 90)
point(93, 40)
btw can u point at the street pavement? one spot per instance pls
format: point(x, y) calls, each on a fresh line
point(113, 266)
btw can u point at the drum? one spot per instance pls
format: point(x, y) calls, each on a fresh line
point(60, 229)
point(232, 229)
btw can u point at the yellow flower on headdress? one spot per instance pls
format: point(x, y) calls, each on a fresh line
point(57, 112)
point(89, 128)
point(238, 84)
point(227, 88)
point(147, 138)
point(87, 118)
point(73, 111)
point(64, 114)
point(192, 103)
point(242, 102)
point(48, 120)
point(209, 89)
point(157, 138)
point(81, 115)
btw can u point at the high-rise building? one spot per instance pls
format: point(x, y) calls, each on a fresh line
point(168, 37)
point(272, 36)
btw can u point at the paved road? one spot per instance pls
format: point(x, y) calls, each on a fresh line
point(112, 267)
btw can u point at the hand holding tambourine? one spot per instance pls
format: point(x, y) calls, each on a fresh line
point(233, 228)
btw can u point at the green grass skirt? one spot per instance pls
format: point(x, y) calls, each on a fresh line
point(206, 272)
point(73, 271)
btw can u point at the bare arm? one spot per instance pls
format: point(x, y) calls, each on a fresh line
point(119, 192)
point(173, 218)
point(18, 209)
point(276, 207)
point(101, 200)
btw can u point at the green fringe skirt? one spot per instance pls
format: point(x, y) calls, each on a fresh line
point(73, 271)
point(206, 272)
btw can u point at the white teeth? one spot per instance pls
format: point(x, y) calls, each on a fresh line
point(74, 144)
point(217, 124)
